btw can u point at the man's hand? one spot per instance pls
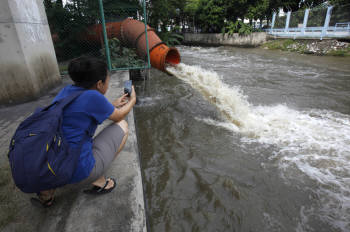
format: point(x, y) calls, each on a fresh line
point(125, 105)
point(133, 94)
point(121, 101)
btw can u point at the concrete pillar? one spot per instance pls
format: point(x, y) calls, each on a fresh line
point(28, 65)
point(273, 21)
point(326, 22)
point(287, 21)
point(306, 17)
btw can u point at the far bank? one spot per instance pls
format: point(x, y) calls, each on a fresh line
point(330, 47)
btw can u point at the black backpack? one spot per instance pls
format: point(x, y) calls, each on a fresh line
point(40, 157)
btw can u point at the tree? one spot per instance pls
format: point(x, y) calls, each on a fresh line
point(339, 2)
point(258, 10)
point(191, 7)
point(70, 23)
point(191, 11)
point(211, 15)
point(237, 9)
point(158, 12)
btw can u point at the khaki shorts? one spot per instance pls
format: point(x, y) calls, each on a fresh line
point(104, 149)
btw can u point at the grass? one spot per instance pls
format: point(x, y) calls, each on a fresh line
point(342, 53)
point(279, 44)
point(300, 47)
point(286, 43)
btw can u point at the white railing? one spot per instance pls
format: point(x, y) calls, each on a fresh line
point(340, 30)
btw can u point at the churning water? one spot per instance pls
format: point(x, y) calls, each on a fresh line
point(317, 142)
point(276, 157)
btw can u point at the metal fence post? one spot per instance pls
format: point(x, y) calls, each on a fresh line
point(108, 56)
point(147, 45)
point(326, 22)
point(273, 21)
point(306, 17)
point(287, 21)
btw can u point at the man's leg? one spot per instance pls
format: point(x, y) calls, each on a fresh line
point(124, 125)
point(100, 182)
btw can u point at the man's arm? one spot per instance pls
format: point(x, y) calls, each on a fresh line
point(119, 114)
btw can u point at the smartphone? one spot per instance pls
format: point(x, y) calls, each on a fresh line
point(128, 87)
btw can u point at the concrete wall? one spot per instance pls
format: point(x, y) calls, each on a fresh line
point(28, 65)
point(252, 40)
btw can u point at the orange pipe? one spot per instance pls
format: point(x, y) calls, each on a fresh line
point(94, 33)
point(162, 55)
point(132, 33)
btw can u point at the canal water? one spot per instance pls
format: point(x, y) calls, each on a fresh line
point(246, 140)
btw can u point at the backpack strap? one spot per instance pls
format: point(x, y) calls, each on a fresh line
point(67, 100)
point(60, 104)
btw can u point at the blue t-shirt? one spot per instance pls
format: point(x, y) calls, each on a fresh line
point(87, 111)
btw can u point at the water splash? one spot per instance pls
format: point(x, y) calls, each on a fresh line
point(317, 142)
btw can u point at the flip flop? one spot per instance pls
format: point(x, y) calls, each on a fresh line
point(98, 190)
point(40, 203)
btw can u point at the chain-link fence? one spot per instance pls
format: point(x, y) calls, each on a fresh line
point(297, 19)
point(321, 21)
point(280, 21)
point(340, 16)
point(92, 28)
point(317, 16)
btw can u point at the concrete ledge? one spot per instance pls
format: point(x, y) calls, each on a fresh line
point(252, 40)
point(121, 210)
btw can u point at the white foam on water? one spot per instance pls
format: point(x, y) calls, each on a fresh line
point(317, 142)
point(149, 101)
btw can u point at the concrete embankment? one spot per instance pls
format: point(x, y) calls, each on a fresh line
point(121, 210)
point(215, 39)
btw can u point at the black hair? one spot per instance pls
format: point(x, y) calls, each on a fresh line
point(87, 71)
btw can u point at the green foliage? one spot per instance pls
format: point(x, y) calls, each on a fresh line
point(191, 7)
point(231, 28)
point(211, 14)
point(237, 27)
point(171, 39)
point(245, 29)
point(122, 57)
point(286, 43)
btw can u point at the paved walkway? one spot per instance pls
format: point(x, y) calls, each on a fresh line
point(121, 210)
